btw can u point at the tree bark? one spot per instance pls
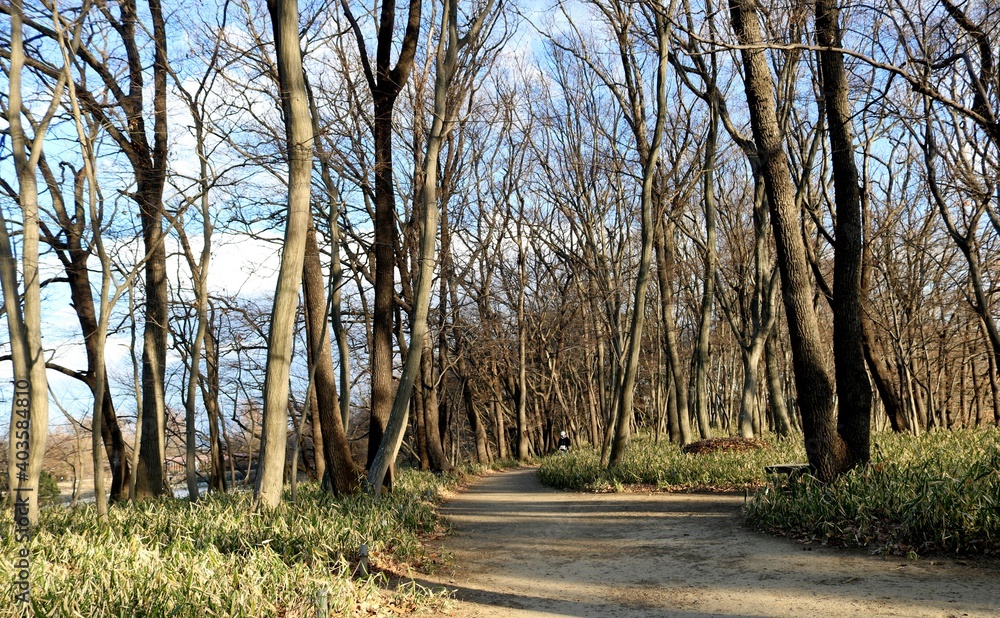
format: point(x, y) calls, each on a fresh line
point(854, 391)
point(748, 395)
point(299, 140)
point(150, 167)
point(336, 449)
point(30, 410)
point(680, 427)
point(702, 353)
point(385, 84)
point(385, 263)
point(210, 395)
point(435, 448)
point(813, 382)
point(522, 356)
point(625, 411)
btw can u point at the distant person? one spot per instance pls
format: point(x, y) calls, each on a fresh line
point(563, 442)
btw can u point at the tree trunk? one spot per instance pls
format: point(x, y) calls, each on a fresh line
point(319, 457)
point(299, 142)
point(385, 263)
point(854, 392)
point(30, 410)
point(336, 284)
point(199, 272)
point(475, 423)
point(210, 395)
point(150, 170)
point(501, 430)
point(435, 448)
point(748, 397)
point(111, 433)
point(522, 343)
point(446, 50)
point(681, 425)
point(625, 412)
point(336, 449)
point(882, 375)
point(702, 352)
point(775, 390)
point(813, 382)
point(385, 84)
point(420, 428)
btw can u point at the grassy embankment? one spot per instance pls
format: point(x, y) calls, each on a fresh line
point(935, 493)
point(222, 557)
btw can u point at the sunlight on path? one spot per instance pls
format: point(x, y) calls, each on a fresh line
point(524, 550)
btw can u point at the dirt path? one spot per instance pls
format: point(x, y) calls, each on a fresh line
point(522, 550)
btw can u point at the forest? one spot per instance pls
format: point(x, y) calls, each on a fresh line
point(243, 242)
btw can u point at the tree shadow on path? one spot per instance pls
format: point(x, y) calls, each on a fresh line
point(521, 549)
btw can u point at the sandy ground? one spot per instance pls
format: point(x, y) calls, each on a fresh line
point(523, 550)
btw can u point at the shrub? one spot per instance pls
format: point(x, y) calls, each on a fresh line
point(48, 488)
point(939, 492)
point(664, 466)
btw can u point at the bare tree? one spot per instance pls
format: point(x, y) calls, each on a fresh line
point(854, 392)
point(446, 57)
point(385, 82)
point(30, 411)
point(299, 146)
point(659, 18)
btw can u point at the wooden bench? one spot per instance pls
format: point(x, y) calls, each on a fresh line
point(791, 470)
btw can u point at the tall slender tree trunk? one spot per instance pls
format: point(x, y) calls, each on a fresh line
point(702, 352)
point(854, 392)
point(385, 83)
point(748, 396)
point(150, 169)
point(420, 428)
point(447, 48)
point(501, 429)
point(625, 412)
point(336, 449)
point(775, 387)
point(336, 278)
point(435, 447)
point(385, 263)
point(472, 412)
point(813, 382)
point(151, 479)
point(199, 272)
point(475, 422)
point(210, 395)
point(680, 426)
point(29, 422)
point(316, 427)
point(299, 141)
point(522, 356)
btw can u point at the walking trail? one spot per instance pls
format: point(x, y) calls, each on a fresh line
point(524, 550)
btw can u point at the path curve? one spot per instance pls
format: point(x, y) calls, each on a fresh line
point(524, 550)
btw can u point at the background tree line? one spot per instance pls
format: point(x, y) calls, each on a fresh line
point(496, 222)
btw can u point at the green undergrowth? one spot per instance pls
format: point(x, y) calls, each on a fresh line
point(222, 557)
point(663, 466)
point(936, 493)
